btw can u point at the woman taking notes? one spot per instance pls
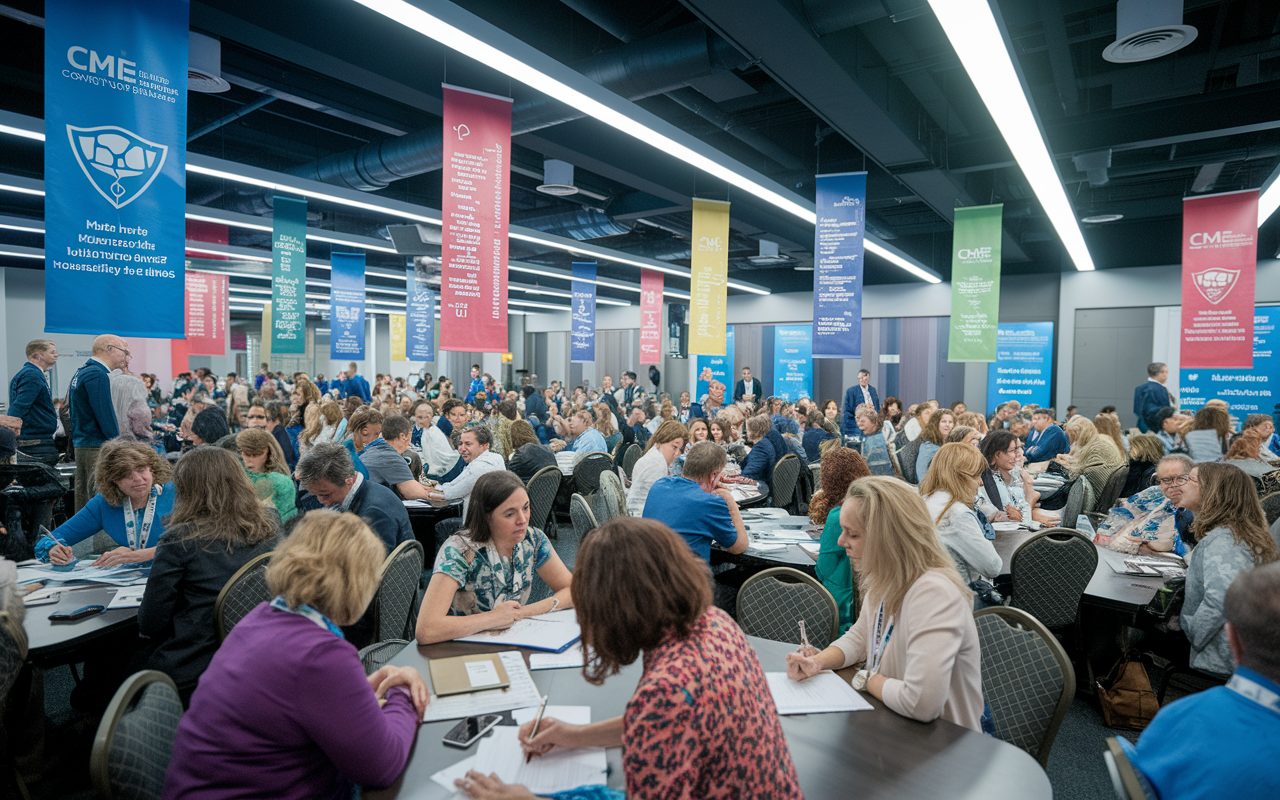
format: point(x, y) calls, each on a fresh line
point(915, 630)
point(484, 573)
point(660, 453)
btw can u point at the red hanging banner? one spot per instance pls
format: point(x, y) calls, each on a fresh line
point(650, 316)
point(1219, 265)
point(477, 171)
point(206, 314)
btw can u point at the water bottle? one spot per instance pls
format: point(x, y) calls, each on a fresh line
point(1085, 526)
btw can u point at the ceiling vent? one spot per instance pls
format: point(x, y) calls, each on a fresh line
point(769, 255)
point(1148, 29)
point(204, 65)
point(415, 239)
point(558, 178)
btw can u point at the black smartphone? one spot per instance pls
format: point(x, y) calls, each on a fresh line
point(466, 732)
point(78, 614)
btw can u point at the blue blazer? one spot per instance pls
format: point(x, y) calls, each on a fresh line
point(358, 386)
point(852, 399)
point(93, 418)
point(31, 401)
point(98, 515)
point(1045, 446)
point(1148, 398)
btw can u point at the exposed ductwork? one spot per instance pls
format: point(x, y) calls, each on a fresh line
point(579, 223)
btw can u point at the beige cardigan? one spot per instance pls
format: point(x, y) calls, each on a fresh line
point(932, 662)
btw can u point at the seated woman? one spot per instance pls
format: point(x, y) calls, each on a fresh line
point(1008, 494)
point(949, 495)
point(528, 455)
point(874, 446)
point(605, 424)
point(767, 448)
point(699, 431)
point(814, 436)
point(1167, 424)
point(932, 438)
point(1243, 453)
point(1145, 451)
point(1093, 457)
point(841, 466)
point(965, 435)
point(134, 497)
point(701, 722)
point(483, 574)
point(216, 527)
point(1207, 436)
point(1230, 536)
point(265, 466)
point(285, 709)
point(915, 631)
point(660, 453)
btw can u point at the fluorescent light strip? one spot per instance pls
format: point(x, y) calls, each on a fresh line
point(19, 189)
point(331, 238)
point(608, 301)
point(23, 132)
point(978, 42)
point(21, 224)
point(1269, 199)
point(899, 261)
point(546, 272)
point(22, 254)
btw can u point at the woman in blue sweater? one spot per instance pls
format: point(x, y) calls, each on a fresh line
point(134, 496)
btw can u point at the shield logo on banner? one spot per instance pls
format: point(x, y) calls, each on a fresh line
point(1215, 284)
point(120, 164)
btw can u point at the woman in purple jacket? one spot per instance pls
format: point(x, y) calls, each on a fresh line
point(284, 709)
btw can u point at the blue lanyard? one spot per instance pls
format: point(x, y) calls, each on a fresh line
point(311, 613)
point(371, 444)
point(135, 536)
point(882, 642)
point(1251, 689)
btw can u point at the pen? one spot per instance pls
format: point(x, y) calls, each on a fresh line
point(537, 720)
point(804, 637)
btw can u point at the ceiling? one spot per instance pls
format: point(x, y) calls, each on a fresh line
point(787, 87)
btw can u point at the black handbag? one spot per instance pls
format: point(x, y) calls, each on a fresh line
point(1165, 608)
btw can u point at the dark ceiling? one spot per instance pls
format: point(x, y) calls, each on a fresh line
point(787, 87)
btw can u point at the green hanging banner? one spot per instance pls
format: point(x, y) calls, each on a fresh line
point(975, 283)
point(288, 277)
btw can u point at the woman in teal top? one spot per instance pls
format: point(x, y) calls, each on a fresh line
point(841, 466)
point(134, 496)
point(264, 463)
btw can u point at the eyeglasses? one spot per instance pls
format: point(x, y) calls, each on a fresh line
point(127, 354)
point(1179, 481)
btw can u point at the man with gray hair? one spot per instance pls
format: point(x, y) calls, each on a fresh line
point(697, 505)
point(1153, 520)
point(31, 400)
point(93, 418)
point(328, 473)
point(1150, 397)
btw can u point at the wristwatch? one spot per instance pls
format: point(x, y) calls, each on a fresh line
point(860, 679)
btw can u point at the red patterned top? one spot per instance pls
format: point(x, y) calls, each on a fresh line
point(703, 724)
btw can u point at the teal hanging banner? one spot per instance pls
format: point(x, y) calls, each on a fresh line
point(289, 277)
point(975, 283)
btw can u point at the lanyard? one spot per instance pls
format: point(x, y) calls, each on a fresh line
point(882, 641)
point(134, 537)
point(311, 613)
point(365, 449)
point(1247, 687)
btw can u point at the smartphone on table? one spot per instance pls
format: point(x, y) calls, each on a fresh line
point(466, 732)
point(79, 614)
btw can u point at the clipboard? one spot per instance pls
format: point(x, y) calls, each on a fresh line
point(451, 676)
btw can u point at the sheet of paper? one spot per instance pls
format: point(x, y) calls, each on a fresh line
point(482, 673)
point(122, 575)
point(556, 771)
point(765, 547)
point(572, 657)
point(823, 693)
point(520, 694)
point(811, 548)
point(535, 634)
point(128, 597)
point(448, 775)
point(563, 615)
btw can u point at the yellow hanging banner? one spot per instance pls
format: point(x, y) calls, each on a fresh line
point(266, 333)
point(710, 275)
point(398, 338)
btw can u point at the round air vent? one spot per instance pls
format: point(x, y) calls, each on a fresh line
point(558, 189)
point(204, 65)
point(559, 178)
point(1098, 219)
point(1148, 44)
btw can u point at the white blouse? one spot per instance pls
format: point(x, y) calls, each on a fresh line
point(647, 470)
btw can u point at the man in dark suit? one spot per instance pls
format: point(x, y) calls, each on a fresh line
point(748, 388)
point(863, 393)
point(93, 418)
point(1151, 396)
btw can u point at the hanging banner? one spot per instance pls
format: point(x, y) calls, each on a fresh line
point(207, 315)
point(837, 265)
point(115, 129)
point(709, 277)
point(398, 348)
point(421, 323)
point(792, 361)
point(1247, 391)
point(1219, 263)
point(650, 316)
point(477, 172)
point(582, 313)
point(289, 276)
point(975, 283)
point(1023, 366)
point(718, 368)
point(266, 335)
point(346, 307)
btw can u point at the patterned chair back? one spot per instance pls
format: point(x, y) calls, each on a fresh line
point(395, 603)
point(587, 471)
point(1110, 491)
point(1079, 500)
point(543, 488)
point(1271, 507)
point(783, 487)
point(629, 458)
point(1050, 572)
point(242, 594)
point(907, 461)
point(134, 743)
point(613, 498)
point(375, 656)
point(1027, 678)
point(584, 519)
point(770, 604)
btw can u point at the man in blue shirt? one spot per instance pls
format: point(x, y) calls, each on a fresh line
point(477, 385)
point(696, 506)
point(1150, 397)
point(1223, 742)
point(586, 439)
point(93, 418)
point(862, 394)
point(31, 400)
point(1047, 440)
point(357, 385)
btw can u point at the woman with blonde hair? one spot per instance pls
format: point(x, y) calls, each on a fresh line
point(950, 495)
point(255, 727)
point(323, 421)
point(265, 465)
point(965, 435)
point(699, 431)
point(915, 629)
point(660, 452)
point(932, 437)
point(1108, 425)
point(528, 455)
point(1145, 451)
point(1092, 456)
point(604, 423)
point(1207, 435)
point(841, 466)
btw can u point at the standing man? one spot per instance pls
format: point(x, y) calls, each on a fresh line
point(748, 388)
point(477, 385)
point(854, 396)
point(31, 400)
point(93, 418)
point(1150, 397)
point(357, 385)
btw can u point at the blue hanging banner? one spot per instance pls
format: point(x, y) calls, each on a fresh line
point(1023, 365)
point(421, 315)
point(837, 265)
point(289, 276)
point(115, 126)
point(718, 368)
point(1248, 391)
point(346, 307)
point(793, 361)
point(583, 312)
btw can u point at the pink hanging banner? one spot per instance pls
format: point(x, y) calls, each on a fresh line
point(206, 314)
point(1219, 265)
point(477, 171)
point(650, 316)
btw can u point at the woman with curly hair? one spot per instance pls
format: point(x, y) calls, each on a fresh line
point(840, 468)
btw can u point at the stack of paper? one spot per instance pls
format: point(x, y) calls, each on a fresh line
point(532, 633)
point(83, 572)
point(823, 693)
point(570, 658)
point(127, 597)
point(520, 694)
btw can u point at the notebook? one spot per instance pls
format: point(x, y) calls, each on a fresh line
point(461, 674)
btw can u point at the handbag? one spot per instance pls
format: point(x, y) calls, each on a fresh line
point(1166, 606)
point(1126, 696)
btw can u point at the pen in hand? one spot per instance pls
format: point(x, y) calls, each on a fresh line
point(537, 720)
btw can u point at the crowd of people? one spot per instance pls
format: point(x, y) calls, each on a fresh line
point(203, 480)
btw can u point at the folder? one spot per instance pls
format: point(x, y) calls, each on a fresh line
point(462, 674)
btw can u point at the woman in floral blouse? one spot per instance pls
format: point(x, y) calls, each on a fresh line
point(483, 575)
point(702, 723)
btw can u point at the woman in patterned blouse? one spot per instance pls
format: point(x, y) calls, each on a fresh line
point(702, 723)
point(483, 574)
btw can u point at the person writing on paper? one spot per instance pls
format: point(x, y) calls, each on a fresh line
point(660, 453)
point(915, 629)
point(285, 710)
point(134, 497)
point(702, 722)
point(483, 574)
